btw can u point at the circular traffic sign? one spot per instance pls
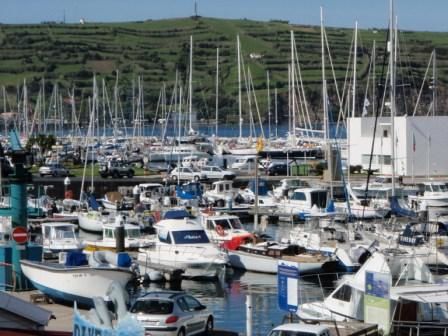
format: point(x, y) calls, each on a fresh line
point(20, 235)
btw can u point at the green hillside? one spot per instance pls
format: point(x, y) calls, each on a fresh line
point(70, 54)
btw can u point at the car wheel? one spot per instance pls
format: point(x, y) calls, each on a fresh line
point(209, 326)
point(220, 203)
point(174, 178)
point(42, 175)
point(115, 174)
point(196, 178)
point(130, 174)
point(181, 332)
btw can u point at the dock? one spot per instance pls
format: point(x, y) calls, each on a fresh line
point(62, 323)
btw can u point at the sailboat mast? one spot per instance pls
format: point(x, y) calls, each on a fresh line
point(434, 86)
point(240, 112)
point(325, 105)
point(190, 85)
point(269, 105)
point(217, 91)
point(392, 91)
point(355, 59)
point(293, 89)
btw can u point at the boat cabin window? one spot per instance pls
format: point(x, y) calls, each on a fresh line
point(224, 223)
point(65, 233)
point(133, 233)
point(298, 196)
point(236, 224)
point(190, 237)
point(319, 198)
point(47, 231)
point(164, 236)
point(109, 233)
point(344, 293)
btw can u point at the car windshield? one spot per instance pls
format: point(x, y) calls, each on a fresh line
point(152, 306)
point(190, 237)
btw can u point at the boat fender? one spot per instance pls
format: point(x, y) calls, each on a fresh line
point(220, 230)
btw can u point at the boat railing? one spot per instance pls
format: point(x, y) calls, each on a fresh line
point(325, 282)
point(413, 328)
point(9, 275)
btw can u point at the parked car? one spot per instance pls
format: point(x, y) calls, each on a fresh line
point(53, 169)
point(116, 169)
point(277, 169)
point(300, 329)
point(216, 173)
point(172, 313)
point(186, 174)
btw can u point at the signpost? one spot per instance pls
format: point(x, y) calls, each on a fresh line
point(377, 299)
point(288, 285)
point(20, 235)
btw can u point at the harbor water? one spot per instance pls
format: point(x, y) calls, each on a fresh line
point(226, 297)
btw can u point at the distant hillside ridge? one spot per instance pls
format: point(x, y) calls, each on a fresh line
point(69, 55)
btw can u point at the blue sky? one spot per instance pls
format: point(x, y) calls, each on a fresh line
point(412, 14)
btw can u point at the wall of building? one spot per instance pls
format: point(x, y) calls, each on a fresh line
point(428, 156)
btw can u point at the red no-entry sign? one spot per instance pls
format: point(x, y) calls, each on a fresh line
point(20, 235)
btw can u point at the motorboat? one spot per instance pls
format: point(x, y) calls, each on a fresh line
point(91, 220)
point(59, 237)
point(133, 239)
point(303, 202)
point(414, 295)
point(114, 200)
point(78, 278)
point(223, 228)
point(184, 244)
point(434, 194)
point(264, 256)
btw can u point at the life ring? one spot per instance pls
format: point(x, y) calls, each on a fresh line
point(220, 230)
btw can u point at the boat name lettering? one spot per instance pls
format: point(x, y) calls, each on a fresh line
point(189, 236)
point(78, 275)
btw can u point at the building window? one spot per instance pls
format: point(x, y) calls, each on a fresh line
point(385, 133)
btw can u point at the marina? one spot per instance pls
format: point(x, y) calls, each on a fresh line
point(310, 200)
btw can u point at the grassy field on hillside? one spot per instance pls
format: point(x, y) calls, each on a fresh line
point(69, 55)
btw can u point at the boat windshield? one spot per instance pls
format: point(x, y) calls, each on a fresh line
point(438, 188)
point(236, 224)
point(64, 233)
point(190, 237)
point(133, 233)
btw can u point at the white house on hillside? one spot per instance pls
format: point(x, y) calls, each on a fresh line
point(421, 144)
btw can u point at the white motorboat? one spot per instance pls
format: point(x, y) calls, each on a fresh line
point(412, 293)
point(183, 243)
point(59, 237)
point(78, 279)
point(263, 257)
point(303, 202)
point(223, 228)
point(114, 200)
point(133, 239)
point(434, 194)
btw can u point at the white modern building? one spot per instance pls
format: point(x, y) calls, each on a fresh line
point(421, 144)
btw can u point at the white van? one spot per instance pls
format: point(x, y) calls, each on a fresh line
point(244, 163)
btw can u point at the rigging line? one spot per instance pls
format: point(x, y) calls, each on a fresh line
point(375, 124)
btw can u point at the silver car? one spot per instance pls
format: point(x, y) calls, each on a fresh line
point(172, 313)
